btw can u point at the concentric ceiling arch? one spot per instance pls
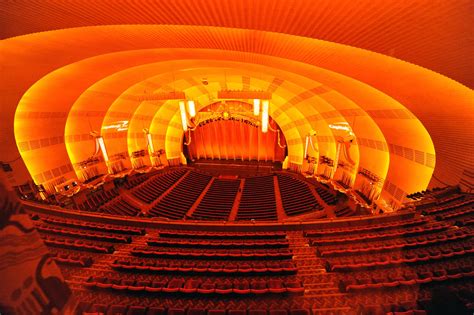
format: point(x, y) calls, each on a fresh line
point(89, 70)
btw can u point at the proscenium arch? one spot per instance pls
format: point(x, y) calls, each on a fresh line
point(159, 83)
point(113, 111)
point(98, 94)
point(379, 83)
point(95, 92)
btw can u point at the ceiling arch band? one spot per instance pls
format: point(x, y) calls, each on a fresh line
point(396, 80)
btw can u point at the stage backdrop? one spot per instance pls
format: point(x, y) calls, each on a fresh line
point(234, 138)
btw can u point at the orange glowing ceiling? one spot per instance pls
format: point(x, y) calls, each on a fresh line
point(434, 34)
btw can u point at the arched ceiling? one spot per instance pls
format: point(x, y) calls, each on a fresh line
point(434, 34)
point(64, 83)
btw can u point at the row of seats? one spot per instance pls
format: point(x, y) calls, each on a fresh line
point(437, 201)
point(396, 245)
point(157, 185)
point(365, 228)
point(137, 179)
point(325, 195)
point(94, 226)
point(87, 246)
point(438, 210)
point(430, 250)
point(98, 198)
point(456, 214)
point(407, 259)
point(191, 267)
point(72, 259)
point(296, 196)
point(425, 193)
point(218, 201)
point(465, 222)
point(416, 241)
point(191, 286)
point(403, 308)
point(179, 200)
point(222, 235)
point(120, 206)
point(383, 235)
point(258, 199)
point(167, 242)
point(89, 308)
point(355, 284)
point(214, 254)
point(344, 212)
point(106, 237)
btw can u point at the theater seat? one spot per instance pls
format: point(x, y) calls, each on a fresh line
point(259, 287)
point(176, 311)
point(237, 312)
point(224, 287)
point(295, 287)
point(216, 312)
point(136, 310)
point(242, 287)
point(196, 311)
point(98, 308)
point(190, 286)
point(156, 311)
point(299, 311)
point(206, 288)
point(173, 286)
point(156, 286)
point(117, 310)
point(276, 286)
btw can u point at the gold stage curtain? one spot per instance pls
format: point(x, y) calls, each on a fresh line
point(235, 140)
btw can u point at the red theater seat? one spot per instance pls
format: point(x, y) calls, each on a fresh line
point(207, 288)
point(196, 311)
point(98, 308)
point(224, 287)
point(136, 310)
point(176, 311)
point(153, 310)
point(173, 286)
point(258, 287)
point(276, 286)
point(117, 310)
point(241, 287)
point(190, 286)
point(299, 311)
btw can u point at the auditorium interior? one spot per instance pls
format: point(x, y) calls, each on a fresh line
point(237, 157)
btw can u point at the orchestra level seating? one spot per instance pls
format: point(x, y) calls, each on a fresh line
point(388, 264)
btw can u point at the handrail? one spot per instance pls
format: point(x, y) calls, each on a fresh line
point(33, 207)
